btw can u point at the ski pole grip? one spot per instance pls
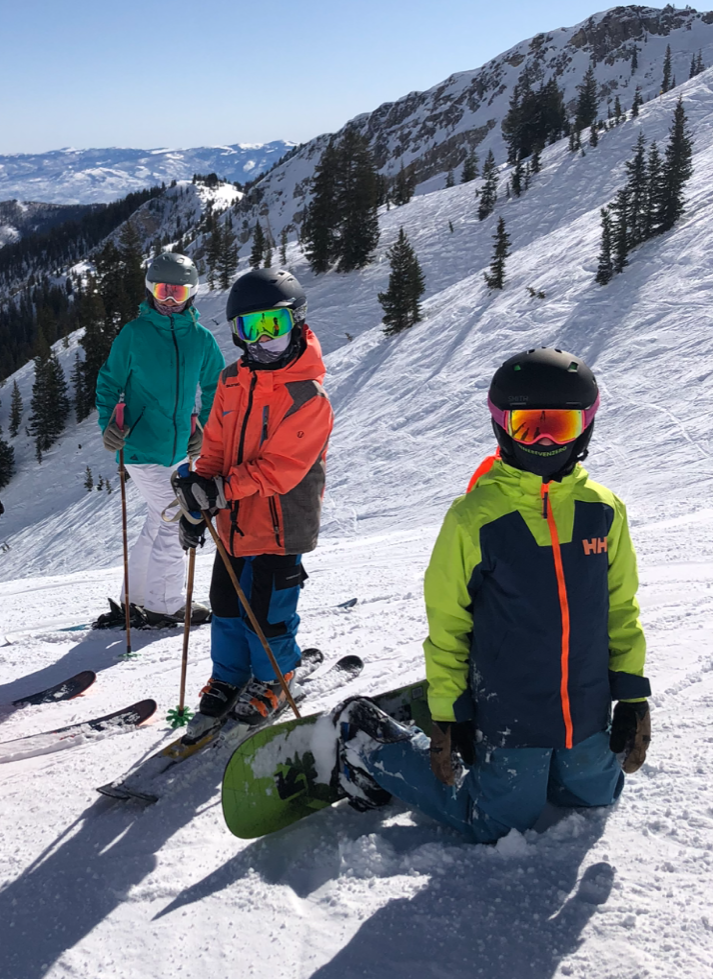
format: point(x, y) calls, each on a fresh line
point(119, 415)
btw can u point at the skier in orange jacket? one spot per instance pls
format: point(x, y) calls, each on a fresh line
point(262, 470)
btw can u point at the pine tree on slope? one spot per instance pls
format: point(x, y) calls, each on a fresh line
point(356, 200)
point(258, 249)
point(605, 268)
point(677, 168)
point(495, 279)
point(470, 168)
point(7, 462)
point(320, 223)
point(587, 102)
point(227, 263)
point(489, 190)
point(15, 410)
point(638, 193)
point(401, 301)
point(666, 81)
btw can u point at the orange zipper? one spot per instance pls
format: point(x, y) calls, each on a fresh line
point(564, 608)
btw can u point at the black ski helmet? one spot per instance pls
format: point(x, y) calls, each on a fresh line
point(175, 269)
point(262, 289)
point(543, 378)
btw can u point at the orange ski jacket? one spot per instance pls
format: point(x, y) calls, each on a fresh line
point(267, 436)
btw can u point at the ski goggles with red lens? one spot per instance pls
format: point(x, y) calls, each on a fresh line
point(164, 292)
point(529, 425)
point(267, 323)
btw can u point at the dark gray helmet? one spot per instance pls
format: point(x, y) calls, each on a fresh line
point(178, 270)
point(266, 289)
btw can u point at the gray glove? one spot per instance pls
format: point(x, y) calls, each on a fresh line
point(195, 441)
point(114, 437)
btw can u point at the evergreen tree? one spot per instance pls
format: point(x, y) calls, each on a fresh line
point(7, 462)
point(534, 118)
point(637, 193)
point(401, 301)
point(227, 263)
point(666, 81)
point(587, 101)
point(50, 404)
point(404, 187)
point(100, 484)
point(637, 103)
point(450, 179)
point(677, 168)
point(470, 168)
point(96, 339)
point(283, 247)
point(516, 183)
point(619, 114)
point(83, 404)
point(214, 241)
point(321, 220)
point(535, 160)
point(356, 200)
point(267, 264)
point(654, 192)
point(620, 230)
point(259, 246)
point(635, 60)
point(700, 66)
point(692, 72)
point(15, 410)
point(593, 137)
point(605, 268)
point(495, 279)
point(88, 479)
point(489, 190)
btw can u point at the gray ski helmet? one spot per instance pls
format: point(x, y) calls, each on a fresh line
point(262, 289)
point(175, 269)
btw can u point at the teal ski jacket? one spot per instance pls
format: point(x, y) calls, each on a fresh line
point(158, 363)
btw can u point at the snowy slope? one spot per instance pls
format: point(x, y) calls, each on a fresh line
point(619, 895)
point(71, 176)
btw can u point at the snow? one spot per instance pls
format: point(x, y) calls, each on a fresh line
point(92, 888)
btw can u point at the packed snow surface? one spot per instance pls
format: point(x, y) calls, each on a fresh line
point(93, 888)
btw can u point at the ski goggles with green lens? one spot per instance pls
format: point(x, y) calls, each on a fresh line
point(267, 323)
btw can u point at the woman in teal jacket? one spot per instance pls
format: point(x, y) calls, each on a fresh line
point(157, 364)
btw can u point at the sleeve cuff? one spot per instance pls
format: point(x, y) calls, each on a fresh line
point(628, 686)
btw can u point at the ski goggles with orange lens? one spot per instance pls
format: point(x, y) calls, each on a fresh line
point(529, 425)
point(268, 323)
point(164, 292)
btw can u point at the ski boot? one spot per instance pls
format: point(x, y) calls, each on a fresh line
point(263, 700)
point(217, 698)
point(168, 620)
point(115, 618)
point(361, 726)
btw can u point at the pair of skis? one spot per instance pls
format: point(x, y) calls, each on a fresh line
point(144, 783)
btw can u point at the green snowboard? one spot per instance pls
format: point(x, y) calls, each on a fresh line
point(286, 772)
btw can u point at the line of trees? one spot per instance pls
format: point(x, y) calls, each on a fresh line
point(651, 201)
point(341, 225)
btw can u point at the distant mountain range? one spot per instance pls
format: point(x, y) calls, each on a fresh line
point(92, 176)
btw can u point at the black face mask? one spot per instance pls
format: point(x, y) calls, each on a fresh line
point(545, 461)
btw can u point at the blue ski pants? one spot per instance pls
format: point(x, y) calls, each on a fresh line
point(272, 584)
point(506, 788)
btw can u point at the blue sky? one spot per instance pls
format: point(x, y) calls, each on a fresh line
point(148, 74)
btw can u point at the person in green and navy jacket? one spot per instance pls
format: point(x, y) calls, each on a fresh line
point(157, 365)
point(533, 630)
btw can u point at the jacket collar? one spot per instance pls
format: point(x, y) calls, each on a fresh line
point(309, 366)
point(180, 322)
point(528, 485)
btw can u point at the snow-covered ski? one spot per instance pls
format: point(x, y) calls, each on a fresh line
point(73, 686)
point(95, 728)
point(142, 783)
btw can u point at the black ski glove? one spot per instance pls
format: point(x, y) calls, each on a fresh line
point(448, 741)
point(631, 734)
point(191, 534)
point(195, 441)
point(196, 493)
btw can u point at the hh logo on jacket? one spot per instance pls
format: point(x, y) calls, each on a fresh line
point(597, 545)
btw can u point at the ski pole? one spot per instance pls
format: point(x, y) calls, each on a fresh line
point(250, 614)
point(119, 415)
point(180, 715)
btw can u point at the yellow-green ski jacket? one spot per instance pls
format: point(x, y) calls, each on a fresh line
point(532, 612)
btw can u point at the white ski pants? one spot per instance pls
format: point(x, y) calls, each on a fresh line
point(156, 560)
